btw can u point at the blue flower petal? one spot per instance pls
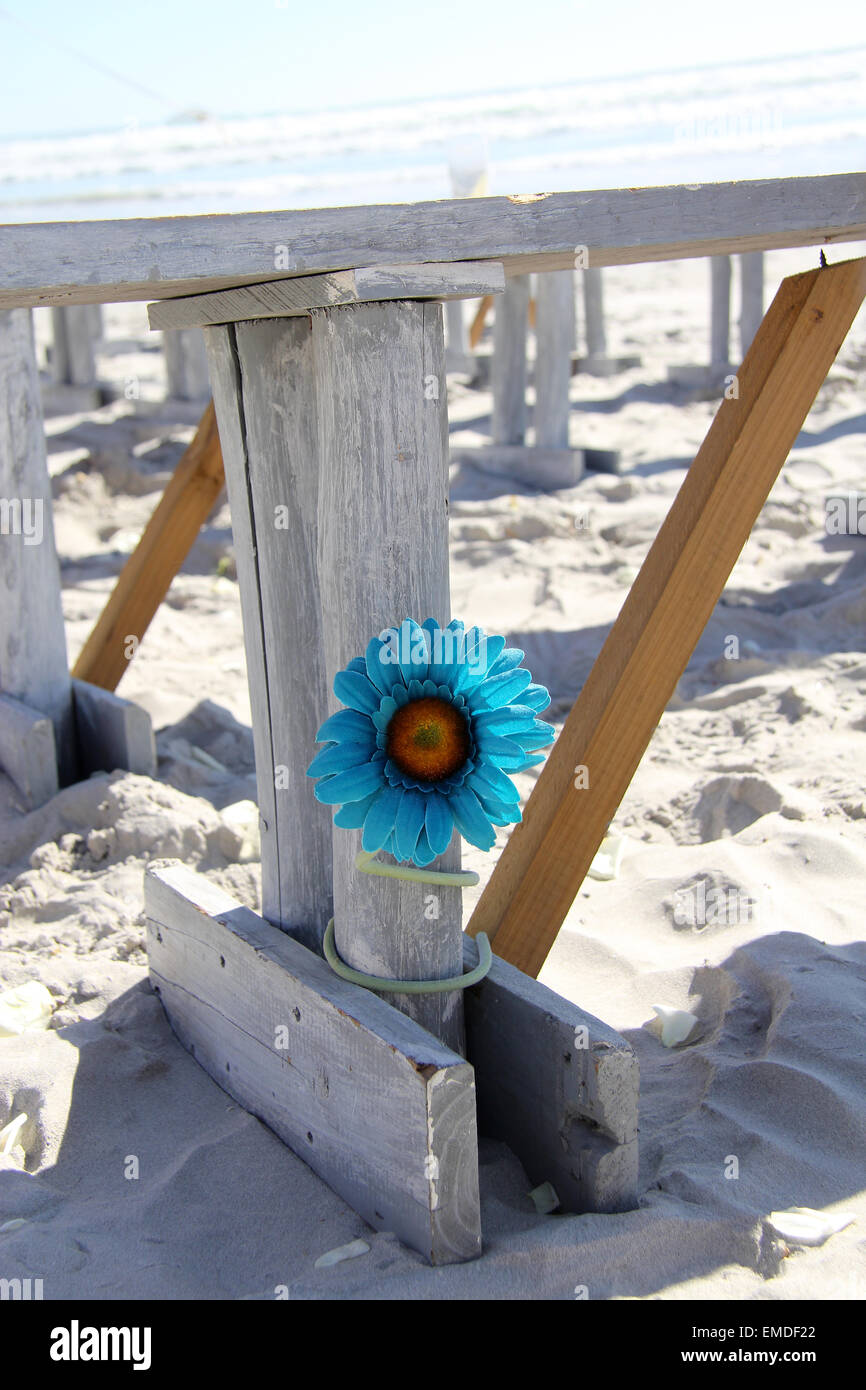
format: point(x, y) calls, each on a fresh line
point(424, 852)
point(536, 696)
point(383, 674)
point(470, 819)
point(346, 724)
point(339, 757)
point(438, 822)
point(400, 695)
point(408, 823)
point(499, 814)
point(352, 785)
point(500, 751)
point(357, 664)
point(356, 691)
point(507, 719)
point(530, 760)
point(354, 813)
point(488, 781)
point(414, 652)
point(415, 689)
point(495, 691)
point(447, 655)
point(534, 738)
point(481, 653)
point(380, 818)
point(512, 656)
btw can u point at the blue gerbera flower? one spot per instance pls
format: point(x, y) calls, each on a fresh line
point(435, 719)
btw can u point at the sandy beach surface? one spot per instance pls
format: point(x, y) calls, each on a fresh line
point(739, 896)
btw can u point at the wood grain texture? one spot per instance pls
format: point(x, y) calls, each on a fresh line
point(546, 859)
point(265, 397)
point(283, 298)
point(508, 370)
point(28, 754)
point(557, 1085)
point(380, 1109)
point(555, 342)
point(383, 557)
point(161, 258)
point(165, 543)
point(33, 662)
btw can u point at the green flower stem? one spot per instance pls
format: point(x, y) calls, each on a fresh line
point(369, 864)
point(356, 977)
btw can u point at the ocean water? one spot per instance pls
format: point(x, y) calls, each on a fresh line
point(763, 119)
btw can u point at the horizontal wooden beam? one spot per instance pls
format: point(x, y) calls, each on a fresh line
point(162, 258)
point(604, 738)
point(283, 298)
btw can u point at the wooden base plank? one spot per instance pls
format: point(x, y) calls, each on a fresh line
point(376, 1105)
point(547, 857)
point(112, 733)
point(28, 754)
point(541, 468)
point(557, 1085)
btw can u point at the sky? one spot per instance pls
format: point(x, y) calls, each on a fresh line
point(79, 65)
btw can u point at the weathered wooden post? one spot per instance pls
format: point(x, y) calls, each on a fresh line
point(751, 297)
point(555, 338)
point(593, 308)
point(34, 670)
point(51, 728)
point(720, 314)
point(269, 435)
point(73, 362)
point(508, 372)
point(186, 365)
point(73, 385)
point(598, 361)
point(383, 557)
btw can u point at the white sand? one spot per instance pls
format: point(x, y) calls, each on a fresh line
point(753, 784)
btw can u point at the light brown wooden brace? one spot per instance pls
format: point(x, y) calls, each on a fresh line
point(547, 857)
point(165, 543)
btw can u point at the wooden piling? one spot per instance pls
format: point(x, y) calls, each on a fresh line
point(265, 399)
point(33, 663)
point(554, 345)
point(383, 556)
point(751, 297)
point(508, 374)
point(720, 311)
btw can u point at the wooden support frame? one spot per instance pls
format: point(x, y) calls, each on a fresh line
point(299, 401)
point(547, 857)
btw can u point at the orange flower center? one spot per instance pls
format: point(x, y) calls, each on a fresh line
point(428, 739)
